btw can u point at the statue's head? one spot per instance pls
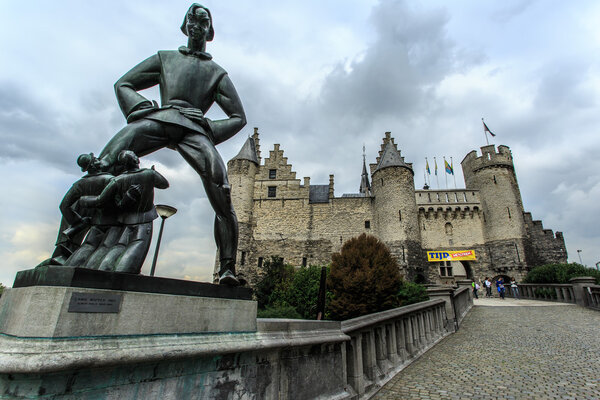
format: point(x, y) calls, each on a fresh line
point(86, 162)
point(128, 159)
point(198, 22)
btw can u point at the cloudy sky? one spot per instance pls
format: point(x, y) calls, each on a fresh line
point(321, 78)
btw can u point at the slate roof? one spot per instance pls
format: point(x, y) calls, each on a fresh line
point(391, 158)
point(318, 194)
point(248, 152)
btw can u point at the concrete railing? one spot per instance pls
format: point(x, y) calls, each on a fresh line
point(384, 343)
point(593, 296)
point(544, 291)
point(282, 359)
point(580, 290)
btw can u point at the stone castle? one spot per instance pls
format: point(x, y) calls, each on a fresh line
point(437, 236)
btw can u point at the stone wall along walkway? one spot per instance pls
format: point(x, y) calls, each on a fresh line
point(535, 351)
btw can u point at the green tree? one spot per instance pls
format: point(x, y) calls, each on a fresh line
point(303, 291)
point(2, 288)
point(271, 287)
point(411, 293)
point(364, 279)
point(559, 273)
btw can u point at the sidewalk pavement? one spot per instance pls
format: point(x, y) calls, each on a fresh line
point(510, 302)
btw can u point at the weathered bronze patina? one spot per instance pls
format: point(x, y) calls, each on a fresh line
point(190, 82)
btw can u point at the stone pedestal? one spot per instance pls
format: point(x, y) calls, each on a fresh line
point(65, 302)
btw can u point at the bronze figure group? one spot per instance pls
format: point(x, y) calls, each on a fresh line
point(112, 206)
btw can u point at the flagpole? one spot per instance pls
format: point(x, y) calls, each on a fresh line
point(437, 178)
point(453, 174)
point(445, 173)
point(485, 132)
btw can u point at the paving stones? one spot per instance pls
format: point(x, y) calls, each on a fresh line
point(516, 353)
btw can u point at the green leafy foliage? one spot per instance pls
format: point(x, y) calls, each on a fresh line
point(411, 293)
point(269, 289)
point(364, 279)
point(288, 312)
point(283, 288)
point(2, 288)
point(559, 273)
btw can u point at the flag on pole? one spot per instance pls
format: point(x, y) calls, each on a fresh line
point(435, 162)
point(486, 129)
point(427, 166)
point(449, 169)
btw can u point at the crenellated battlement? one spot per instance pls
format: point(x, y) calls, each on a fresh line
point(489, 158)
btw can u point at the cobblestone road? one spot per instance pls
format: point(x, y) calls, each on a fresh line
point(509, 353)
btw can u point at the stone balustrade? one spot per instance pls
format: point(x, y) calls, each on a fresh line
point(545, 291)
point(384, 343)
point(593, 296)
point(283, 359)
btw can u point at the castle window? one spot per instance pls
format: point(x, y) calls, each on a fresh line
point(260, 262)
point(465, 195)
point(367, 224)
point(381, 181)
point(489, 157)
point(429, 197)
point(447, 198)
point(400, 215)
point(304, 261)
point(272, 173)
point(272, 191)
point(445, 268)
point(243, 260)
point(448, 228)
point(508, 209)
point(456, 196)
point(495, 180)
point(438, 197)
point(423, 225)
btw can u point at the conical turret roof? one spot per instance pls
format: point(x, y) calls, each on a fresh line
point(390, 157)
point(248, 152)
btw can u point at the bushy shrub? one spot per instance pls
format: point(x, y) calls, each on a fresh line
point(283, 287)
point(411, 293)
point(288, 312)
point(559, 273)
point(363, 279)
point(270, 286)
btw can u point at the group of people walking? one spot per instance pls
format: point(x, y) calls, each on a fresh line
point(500, 287)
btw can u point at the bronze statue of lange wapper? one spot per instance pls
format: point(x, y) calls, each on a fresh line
point(190, 82)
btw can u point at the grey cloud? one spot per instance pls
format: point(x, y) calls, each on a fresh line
point(511, 9)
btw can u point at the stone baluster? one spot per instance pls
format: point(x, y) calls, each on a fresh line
point(392, 344)
point(401, 340)
point(355, 364)
point(380, 347)
point(410, 338)
point(369, 355)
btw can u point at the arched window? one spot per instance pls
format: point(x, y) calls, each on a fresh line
point(448, 228)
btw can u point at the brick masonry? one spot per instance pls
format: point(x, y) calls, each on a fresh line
point(278, 218)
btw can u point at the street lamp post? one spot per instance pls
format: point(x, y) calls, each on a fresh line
point(579, 254)
point(165, 212)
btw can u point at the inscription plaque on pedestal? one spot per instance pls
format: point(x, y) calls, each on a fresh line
point(95, 303)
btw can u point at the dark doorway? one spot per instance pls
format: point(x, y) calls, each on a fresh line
point(468, 269)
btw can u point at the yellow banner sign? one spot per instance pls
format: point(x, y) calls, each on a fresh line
point(460, 255)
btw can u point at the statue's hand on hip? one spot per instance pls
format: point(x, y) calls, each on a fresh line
point(144, 110)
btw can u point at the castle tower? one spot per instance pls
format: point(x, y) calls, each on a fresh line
point(242, 170)
point(493, 174)
point(395, 206)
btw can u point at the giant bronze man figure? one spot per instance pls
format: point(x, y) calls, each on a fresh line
point(190, 82)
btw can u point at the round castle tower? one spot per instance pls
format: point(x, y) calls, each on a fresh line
point(504, 230)
point(493, 174)
point(242, 170)
point(395, 205)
